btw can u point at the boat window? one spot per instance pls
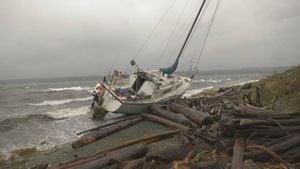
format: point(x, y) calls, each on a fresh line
point(140, 80)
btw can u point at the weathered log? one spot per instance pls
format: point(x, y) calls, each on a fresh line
point(178, 118)
point(171, 152)
point(203, 136)
point(106, 123)
point(242, 111)
point(161, 136)
point(186, 162)
point(196, 116)
point(245, 122)
point(128, 153)
point(106, 132)
point(284, 122)
point(221, 94)
point(155, 164)
point(98, 161)
point(209, 165)
point(266, 133)
point(279, 140)
point(238, 154)
point(176, 125)
point(113, 166)
point(287, 147)
point(257, 109)
point(134, 164)
point(165, 121)
point(288, 144)
point(269, 152)
point(292, 155)
point(190, 156)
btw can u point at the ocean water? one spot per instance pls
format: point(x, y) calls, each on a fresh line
point(43, 113)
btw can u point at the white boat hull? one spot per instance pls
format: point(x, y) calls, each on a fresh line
point(174, 88)
point(135, 108)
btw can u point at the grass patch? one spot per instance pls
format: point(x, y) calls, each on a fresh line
point(23, 152)
point(281, 91)
point(2, 161)
point(210, 92)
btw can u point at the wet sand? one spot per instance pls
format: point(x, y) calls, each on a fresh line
point(65, 153)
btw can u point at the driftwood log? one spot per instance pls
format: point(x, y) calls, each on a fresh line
point(134, 164)
point(101, 154)
point(108, 123)
point(238, 154)
point(227, 116)
point(178, 118)
point(127, 153)
point(164, 121)
point(196, 116)
point(157, 137)
point(106, 132)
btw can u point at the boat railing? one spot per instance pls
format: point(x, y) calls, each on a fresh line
point(111, 92)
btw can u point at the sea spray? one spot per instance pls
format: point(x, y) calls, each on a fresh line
point(191, 93)
point(66, 113)
point(75, 88)
point(59, 102)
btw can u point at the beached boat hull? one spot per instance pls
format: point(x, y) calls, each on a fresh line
point(133, 108)
point(169, 89)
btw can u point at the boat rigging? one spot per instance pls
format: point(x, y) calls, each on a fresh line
point(134, 94)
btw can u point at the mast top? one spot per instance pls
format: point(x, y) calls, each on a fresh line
point(170, 70)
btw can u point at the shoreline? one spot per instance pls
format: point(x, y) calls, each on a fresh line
point(32, 157)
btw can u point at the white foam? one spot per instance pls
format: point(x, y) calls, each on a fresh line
point(194, 92)
point(59, 102)
point(75, 88)
point(208, 80)
point(65, 113)
point(245, 82)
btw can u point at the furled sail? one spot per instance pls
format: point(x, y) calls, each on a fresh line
point(170, 70)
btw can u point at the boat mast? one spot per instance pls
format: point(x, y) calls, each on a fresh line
point(191, 29)
point(172, 69)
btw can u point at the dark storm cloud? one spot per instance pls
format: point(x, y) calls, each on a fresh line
point(84, 37)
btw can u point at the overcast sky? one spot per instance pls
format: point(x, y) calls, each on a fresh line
point(52, 38)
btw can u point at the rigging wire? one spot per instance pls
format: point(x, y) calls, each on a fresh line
point(163, 53)
point(180, 36)
point(207, 35)
point(148, 38)
point(196, 33)
point(155, 28)
point(191, 29)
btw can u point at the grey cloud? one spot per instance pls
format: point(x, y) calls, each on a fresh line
point(86, 37)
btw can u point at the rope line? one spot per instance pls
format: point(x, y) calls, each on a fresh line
point(155, 28)
point(204, 43)
point(191, 29)
point(173, 31)
point(196, 34)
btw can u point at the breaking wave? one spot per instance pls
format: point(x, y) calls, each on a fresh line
point(191, 93)
point(245, 82)
point(207, 81)
point(65, 113)
point(75, 88)
point(59, 102)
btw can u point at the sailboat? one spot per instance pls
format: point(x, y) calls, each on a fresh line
point(136, 93)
